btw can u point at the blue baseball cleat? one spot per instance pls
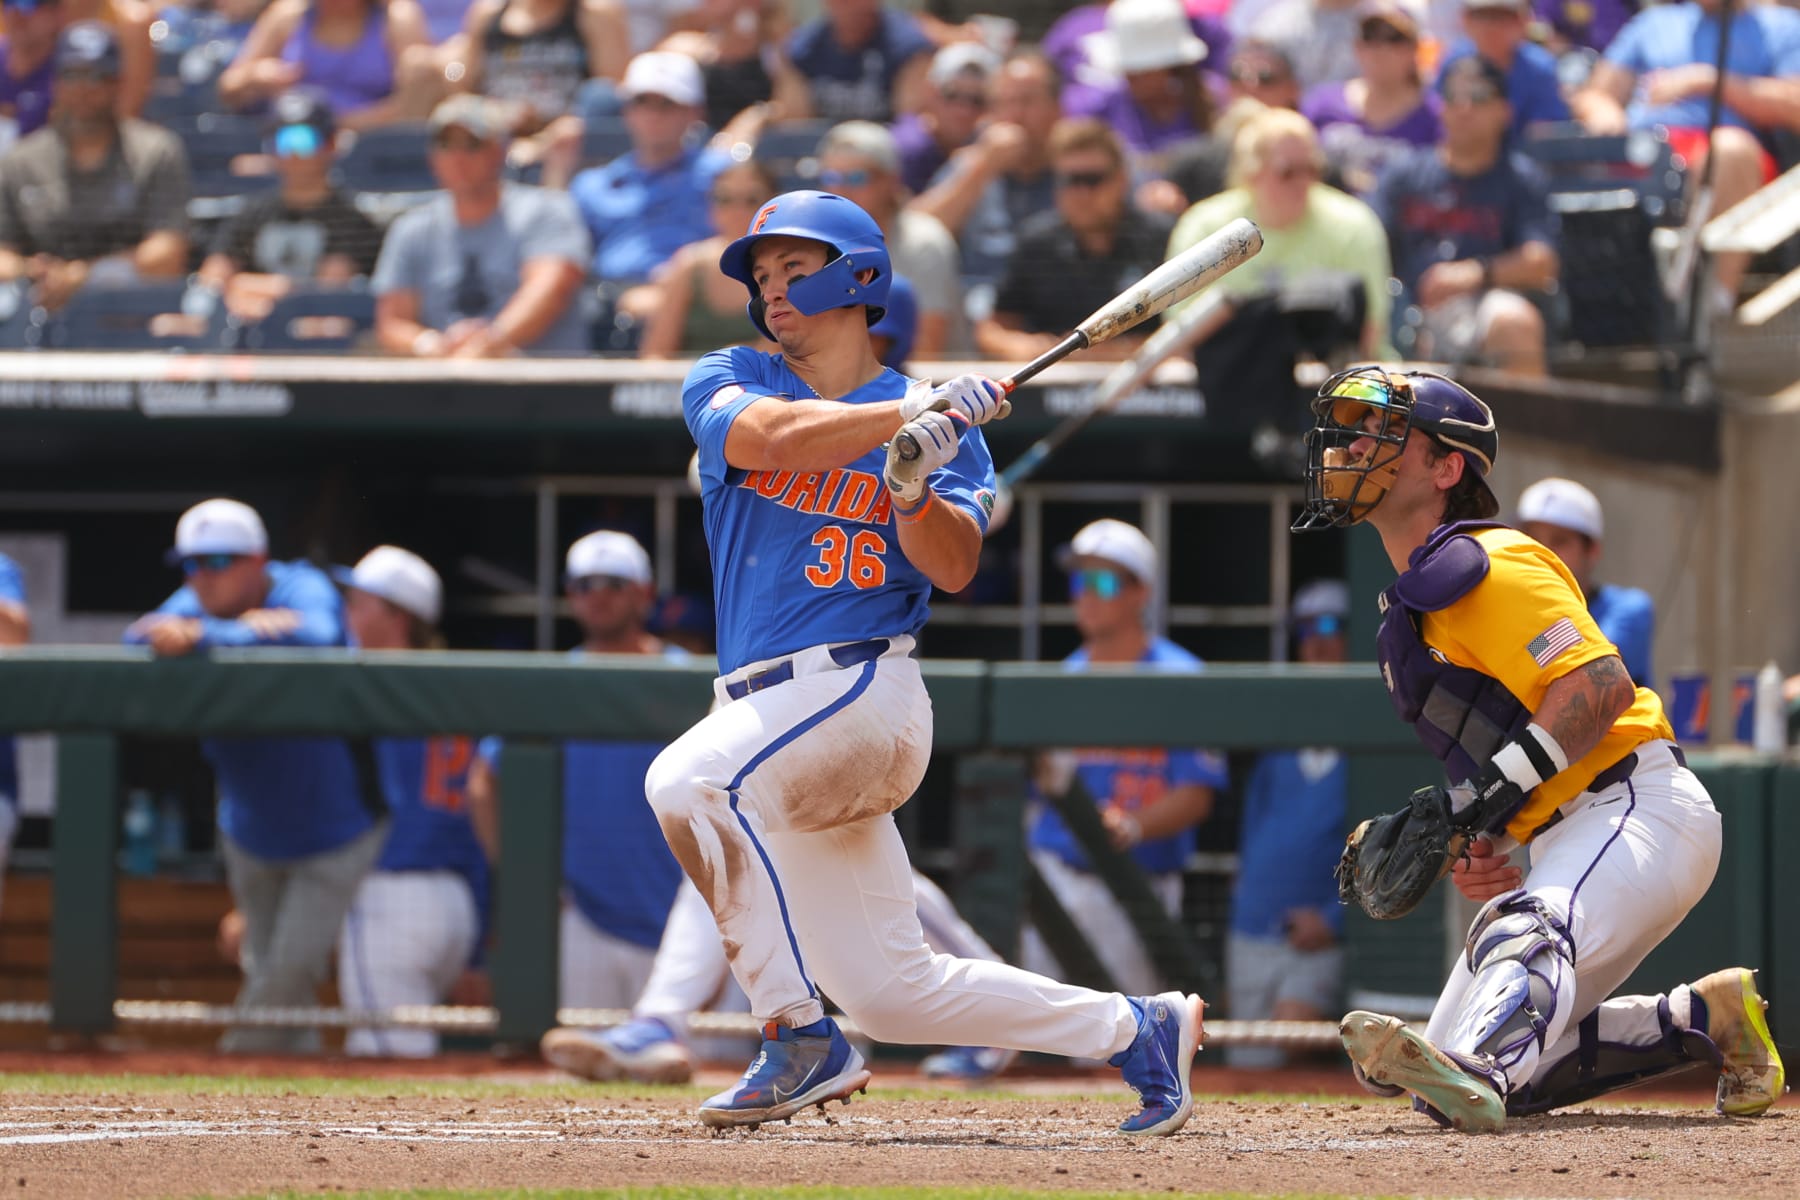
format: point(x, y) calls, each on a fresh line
point(793, 1071)
point(645, 1050)
point(1160, 1060)
point(967, 1064)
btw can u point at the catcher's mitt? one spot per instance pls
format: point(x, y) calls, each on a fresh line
point(1390, 862)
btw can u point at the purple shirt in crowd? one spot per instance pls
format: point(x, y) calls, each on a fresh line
point(1591, 23)
point(1069, 45)
point(1359, 151)
point(27, 98)
point(920, 154)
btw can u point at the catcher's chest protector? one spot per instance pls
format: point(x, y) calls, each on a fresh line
point(1461, 715)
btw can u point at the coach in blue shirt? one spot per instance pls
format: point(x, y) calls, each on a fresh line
point(296, 833)
point(652, 200)
point(1566, 517)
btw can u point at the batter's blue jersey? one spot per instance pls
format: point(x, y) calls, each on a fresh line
point(12, 590)
point(426, 784)
point(1134, 779)
point(282, 798)
point(805, 558)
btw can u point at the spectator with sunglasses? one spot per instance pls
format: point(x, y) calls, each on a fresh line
point(92, 197)
point(697, 308)
point(1472, 231)
point(305, 231)
point(619, 877)
point(956, 98)
point(1317, 36)
point(1150, 799)
point(1160, 100)
point(1071, 260)
point(1284, 960)
point(1264, 72)
point(1367, 121)
point(298, 823)
point(489, 268)
point(1499, 31)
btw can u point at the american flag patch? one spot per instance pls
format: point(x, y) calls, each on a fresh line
point(1553, 641)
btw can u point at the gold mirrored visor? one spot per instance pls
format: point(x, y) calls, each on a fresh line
point(1352, 399)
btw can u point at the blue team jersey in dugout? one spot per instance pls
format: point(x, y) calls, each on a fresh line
point(807, 558)
point(1290, 840)
point(1134, 779)
point(426, 784)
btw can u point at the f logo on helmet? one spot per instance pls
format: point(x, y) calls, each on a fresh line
point(762, 218)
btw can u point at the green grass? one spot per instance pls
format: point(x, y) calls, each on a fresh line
point(696, 1192)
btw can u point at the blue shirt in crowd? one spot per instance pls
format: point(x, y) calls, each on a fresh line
point(1765, 42)
point(1433, 216)
point(426, 784)
point(851, 83)
point(282, 798)
point(1134, 779)
point(1627, 616)
point(1531, 84)
point(640, 217)
point(1288, 847)
point(12, 591)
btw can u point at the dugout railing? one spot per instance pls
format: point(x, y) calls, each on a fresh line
point(988, 717)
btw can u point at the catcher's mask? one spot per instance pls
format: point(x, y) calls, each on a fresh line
point(1361, 419)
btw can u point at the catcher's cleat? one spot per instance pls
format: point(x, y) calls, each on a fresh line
point(1751, 1078)
point(794, 1071)
point(643, 1050)
point(1385, 1050)
point(1159, 1063)
point(1369, 1085)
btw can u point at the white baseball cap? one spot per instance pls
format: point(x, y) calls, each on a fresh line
point(1322, 598)
point(663, 73)
point(1564, 503)
point(608, 552)
point(1147, 35)
point(401, 578)
point(1115, 542)
point(959, 57)
point(219, 527)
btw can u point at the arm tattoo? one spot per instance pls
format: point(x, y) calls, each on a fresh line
point(1582, 705)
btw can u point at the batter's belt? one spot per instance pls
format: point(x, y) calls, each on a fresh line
point(850, 654)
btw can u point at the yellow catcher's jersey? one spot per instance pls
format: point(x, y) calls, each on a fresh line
point(1527, 625)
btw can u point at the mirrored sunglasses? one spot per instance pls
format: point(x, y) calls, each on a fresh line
point(583, 584)
point(836, 179)
point(193, 564)
point(1102, 582)
point(297, 141)
point(1325, 625)
point(1083, 179)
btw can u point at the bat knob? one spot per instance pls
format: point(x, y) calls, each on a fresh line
point(906, 446)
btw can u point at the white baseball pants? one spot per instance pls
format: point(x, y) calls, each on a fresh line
point(779, 807)
point(598, 969)
point(1620, 871)
point(406, 939)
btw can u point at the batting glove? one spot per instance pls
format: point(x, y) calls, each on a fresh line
point(936, 433)
point(975, 398)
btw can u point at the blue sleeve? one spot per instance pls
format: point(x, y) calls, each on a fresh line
point(12, 582)
point(182, 603)
point(1536, 222)
point(802, 43)
point(1204, 767)
point(1781, 29)
point(397, 267)
point(488, 751)
point(306, 592)
point(721, 385)
point(1628, 45)
point(1631, 626)
point(967, 480)
point(906, 41)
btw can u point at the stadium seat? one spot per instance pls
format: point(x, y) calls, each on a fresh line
point(127, 318)
point(16, 325)
point(782, 147)
point(388, 170)
point(309, 320)
point(1641, 162)
point(215, 144)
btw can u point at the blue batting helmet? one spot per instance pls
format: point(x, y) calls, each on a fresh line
point(856, 243)
point(900, 324)
point(1342, 487)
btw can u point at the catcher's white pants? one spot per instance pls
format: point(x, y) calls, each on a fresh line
point(1620, 870)
point(406, 939)
point(779, 807)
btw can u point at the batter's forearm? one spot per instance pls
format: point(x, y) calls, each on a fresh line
point(807, 435)
point(1580, 707)
point(942, 541)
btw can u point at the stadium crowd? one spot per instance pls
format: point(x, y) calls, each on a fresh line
point(474, 179)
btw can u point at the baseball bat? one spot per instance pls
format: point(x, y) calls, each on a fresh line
point(1200, 264)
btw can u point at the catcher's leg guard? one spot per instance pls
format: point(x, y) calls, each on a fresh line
point(1523, 963)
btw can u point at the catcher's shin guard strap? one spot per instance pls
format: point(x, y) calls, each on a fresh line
point(1597, 1067)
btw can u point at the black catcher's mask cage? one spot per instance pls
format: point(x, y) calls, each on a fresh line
point(1343, 488)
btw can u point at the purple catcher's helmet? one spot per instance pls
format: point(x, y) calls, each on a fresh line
point(1343, 488)
point(856, 243)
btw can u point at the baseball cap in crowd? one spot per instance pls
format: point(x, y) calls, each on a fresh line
point(475, 114)
point(300, 123)
point(864, 139)
point(1148, 35)
point(1114, 542)
point(88, 46)
point(218, 527)
point(1563, 503)
point(1408, 16)
point(663, 73)
point(608, 552)
point(400, 577)
point(1473, 70)
point(960, 58)
point(1321, 607)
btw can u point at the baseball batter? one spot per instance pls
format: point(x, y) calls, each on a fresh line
point(418, 915)
point(825, 545)
point(1489, 651)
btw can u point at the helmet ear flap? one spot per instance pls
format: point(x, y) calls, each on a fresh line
point(759, 309)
